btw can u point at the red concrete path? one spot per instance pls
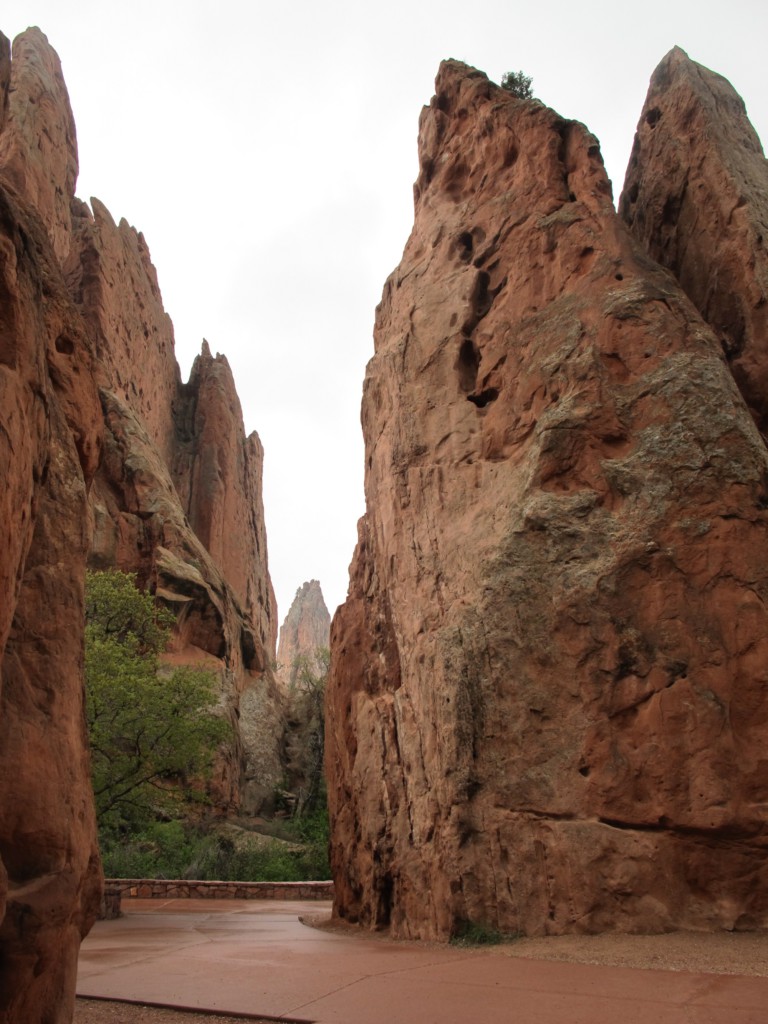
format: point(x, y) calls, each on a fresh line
point(256, 957)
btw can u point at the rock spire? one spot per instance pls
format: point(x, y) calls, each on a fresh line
point(547, 702)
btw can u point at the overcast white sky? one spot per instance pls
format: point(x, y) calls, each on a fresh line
point(267, 152)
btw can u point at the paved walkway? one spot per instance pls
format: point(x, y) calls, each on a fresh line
point(256, 957)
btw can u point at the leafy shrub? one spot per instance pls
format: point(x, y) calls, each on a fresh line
point(177, 850)
point(470, 933)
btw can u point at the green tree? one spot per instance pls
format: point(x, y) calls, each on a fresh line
point(148, 725)
point(305, 745)
point(518, 83)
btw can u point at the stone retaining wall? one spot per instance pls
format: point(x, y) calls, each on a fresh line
point(152, 888)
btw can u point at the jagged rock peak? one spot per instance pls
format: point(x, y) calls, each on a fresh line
point(303, 634)
point(111, 276)
point(218, 474)
point(38, 142)
point(546, 708)
point(696, 198)
point(463, 92)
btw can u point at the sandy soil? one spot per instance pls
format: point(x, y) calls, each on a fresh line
point(103, 1011)
point(701, 952)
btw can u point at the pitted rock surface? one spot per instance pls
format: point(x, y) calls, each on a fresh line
point(50, 439)
point(547, 704)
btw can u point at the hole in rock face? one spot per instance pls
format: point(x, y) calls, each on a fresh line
point(65, 345)
point(619, 277)
point(484, 398)
point(511, 155)
point(653, 116)
point(465, 245)
point(584, 770)
point(468, 364)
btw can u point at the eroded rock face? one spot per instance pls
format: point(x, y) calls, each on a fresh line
point(139, 525)
point(111, 276)
point(38, 145)
point(50, 436)
point(177, 498)
point(218, 474)
point(303, 634)
point(547, 705)
point(696, 197)
point(86, 356)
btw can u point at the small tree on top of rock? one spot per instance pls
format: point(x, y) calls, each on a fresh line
point(518, 83)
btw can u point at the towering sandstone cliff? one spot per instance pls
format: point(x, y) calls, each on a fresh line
point(50, 437)
point(177, 498)
point(102, 446)
point(548, 699)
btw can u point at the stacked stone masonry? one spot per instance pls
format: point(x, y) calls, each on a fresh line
point(155, 889)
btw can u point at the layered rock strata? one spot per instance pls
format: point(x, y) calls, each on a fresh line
point(50, 436)
point(547, 704)
point(696, 197)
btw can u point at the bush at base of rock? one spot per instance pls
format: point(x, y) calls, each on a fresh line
point(223, 853)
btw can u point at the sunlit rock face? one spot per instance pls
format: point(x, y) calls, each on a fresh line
point(50, 438)
point(696, 197)
point(547, 709)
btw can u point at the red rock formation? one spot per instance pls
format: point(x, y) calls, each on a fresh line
point(50, 428)
point(112, 278)
point(547, 705)
point(177, 498)
point(218, 473)
point(80, 306)
point(38, 146)
point(304, 632)
point(140, 526)
point(696, 197)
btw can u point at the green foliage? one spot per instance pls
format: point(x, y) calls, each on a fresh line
point(518, 83)
point(148, 725)
point(175, 850)
point(162, 850)
point(305, 746)
point(469, 933)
